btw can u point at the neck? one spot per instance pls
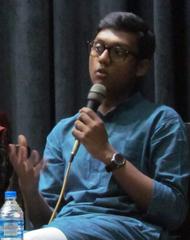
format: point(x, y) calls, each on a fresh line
point(111, 102)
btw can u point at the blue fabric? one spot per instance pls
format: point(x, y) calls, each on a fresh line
point(150, 136)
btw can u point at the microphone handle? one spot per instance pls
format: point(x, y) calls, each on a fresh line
point(93, 104)
point(75, 149)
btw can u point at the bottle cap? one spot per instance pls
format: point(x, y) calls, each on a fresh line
point(10, 194)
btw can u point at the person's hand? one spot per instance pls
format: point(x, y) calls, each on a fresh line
point(26, 168)
point(90, 131)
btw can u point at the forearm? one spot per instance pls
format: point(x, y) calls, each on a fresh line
point(36, 208)
point(137, 185)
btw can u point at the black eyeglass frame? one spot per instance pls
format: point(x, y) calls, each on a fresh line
point(109, 48)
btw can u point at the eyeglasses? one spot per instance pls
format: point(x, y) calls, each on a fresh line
point(116, 52)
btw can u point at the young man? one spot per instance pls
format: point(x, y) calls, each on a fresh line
point(129, 178)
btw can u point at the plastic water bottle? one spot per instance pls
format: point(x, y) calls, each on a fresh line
point(11, 218)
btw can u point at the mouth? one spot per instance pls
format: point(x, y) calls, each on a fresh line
point(101, 73)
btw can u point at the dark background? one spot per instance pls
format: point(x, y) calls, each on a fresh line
point(44, 58)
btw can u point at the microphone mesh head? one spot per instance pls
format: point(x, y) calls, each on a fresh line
point(97, 92)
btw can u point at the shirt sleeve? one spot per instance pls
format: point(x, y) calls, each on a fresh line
point(52, 175)
point(170, 163)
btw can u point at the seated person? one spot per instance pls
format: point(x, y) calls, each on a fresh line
point(129, 178)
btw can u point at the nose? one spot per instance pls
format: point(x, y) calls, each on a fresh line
point(105, 57)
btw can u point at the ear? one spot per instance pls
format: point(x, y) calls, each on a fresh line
point(142, 67)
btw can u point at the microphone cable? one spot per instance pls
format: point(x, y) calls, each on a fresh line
point(62, 192)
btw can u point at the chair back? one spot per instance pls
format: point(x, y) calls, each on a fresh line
point(185, 228)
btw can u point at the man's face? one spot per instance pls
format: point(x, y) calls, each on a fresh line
point(114, 68)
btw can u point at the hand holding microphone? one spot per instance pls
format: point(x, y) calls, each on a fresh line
point(95, 97)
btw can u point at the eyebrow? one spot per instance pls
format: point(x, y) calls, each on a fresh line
point(113, 43)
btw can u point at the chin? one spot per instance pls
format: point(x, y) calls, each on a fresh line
point(100, 81)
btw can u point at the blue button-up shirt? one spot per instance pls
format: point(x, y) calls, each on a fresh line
point(153, 138)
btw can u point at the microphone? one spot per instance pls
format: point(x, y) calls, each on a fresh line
point(95, 97)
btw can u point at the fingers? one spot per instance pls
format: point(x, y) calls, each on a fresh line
point(19, 153)
point(88, 117)
point(22, 153)
point(17, 157)
point(40, 166)
point(79, 125)
point(36, 163)
point(89, 112)
point(12, 151)
point(82, 124)
point(84, 119)
point(34, 158)
point(22, 164)
point(22, 140)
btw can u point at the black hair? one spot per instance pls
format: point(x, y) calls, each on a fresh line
point(130, 22)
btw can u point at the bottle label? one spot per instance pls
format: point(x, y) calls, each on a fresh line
point(11, 228)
